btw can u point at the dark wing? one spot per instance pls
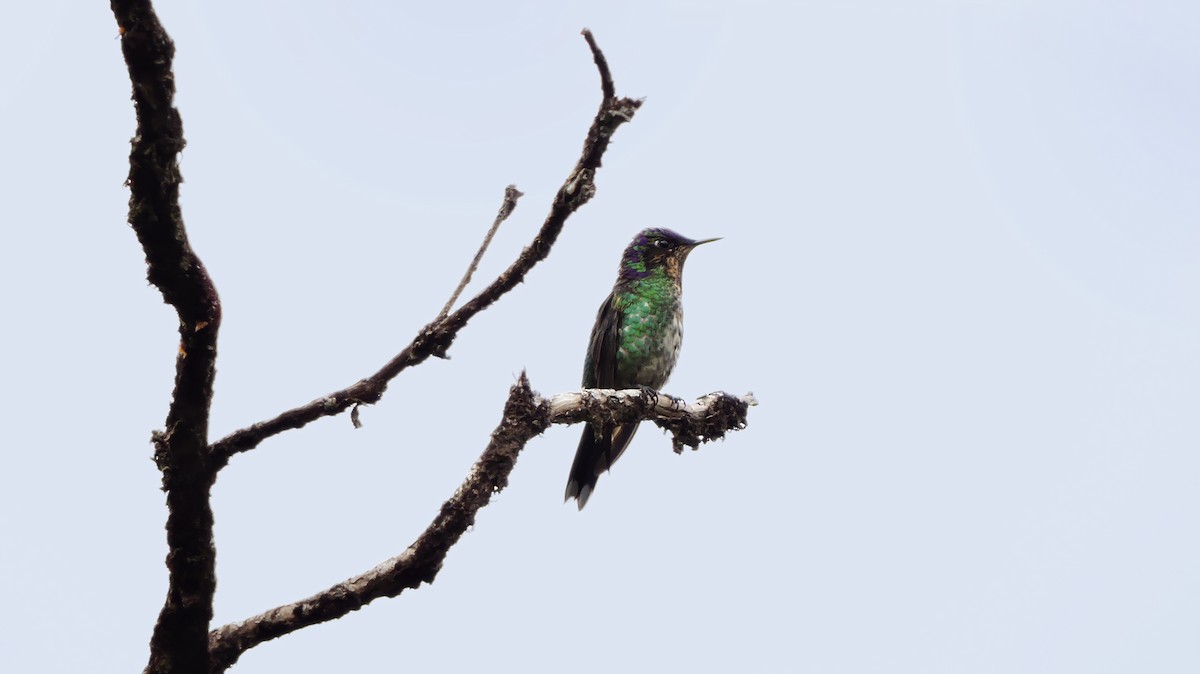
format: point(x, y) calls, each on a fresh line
point(599, 448)
point(600, 367)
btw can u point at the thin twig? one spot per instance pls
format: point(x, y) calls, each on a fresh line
point(179, 642)
point(526, 415)
point(435, 339)
point(511, 194)
point(606, 80)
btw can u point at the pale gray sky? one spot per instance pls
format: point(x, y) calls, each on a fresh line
point(959, 271)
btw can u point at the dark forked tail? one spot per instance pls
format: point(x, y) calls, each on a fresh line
point(597, 452)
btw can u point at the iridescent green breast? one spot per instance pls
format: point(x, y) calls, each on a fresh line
point(651, 330)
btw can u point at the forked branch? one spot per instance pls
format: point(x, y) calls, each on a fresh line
point(526, 415)
point(435, 339)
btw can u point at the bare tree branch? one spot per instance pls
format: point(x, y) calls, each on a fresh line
point(511, 194)
point(526, 415)
point(690, 424)
point(179, 642)
point(435, 339)
point(606, 81)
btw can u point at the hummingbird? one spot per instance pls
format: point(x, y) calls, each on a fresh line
point(634, 343)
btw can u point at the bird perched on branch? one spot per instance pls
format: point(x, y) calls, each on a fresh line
point(634, 343)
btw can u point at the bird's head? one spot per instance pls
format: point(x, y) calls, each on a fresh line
point(654, 249)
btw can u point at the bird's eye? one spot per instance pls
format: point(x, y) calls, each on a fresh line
point(662, 243)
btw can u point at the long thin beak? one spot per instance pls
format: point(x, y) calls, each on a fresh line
point(697, 243)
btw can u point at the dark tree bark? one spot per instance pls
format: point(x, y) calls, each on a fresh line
point(180, 640)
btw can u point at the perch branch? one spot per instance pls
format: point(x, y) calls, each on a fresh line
point(179, 642)
point(435, 339)
point(526, 415)
point(705, 420)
